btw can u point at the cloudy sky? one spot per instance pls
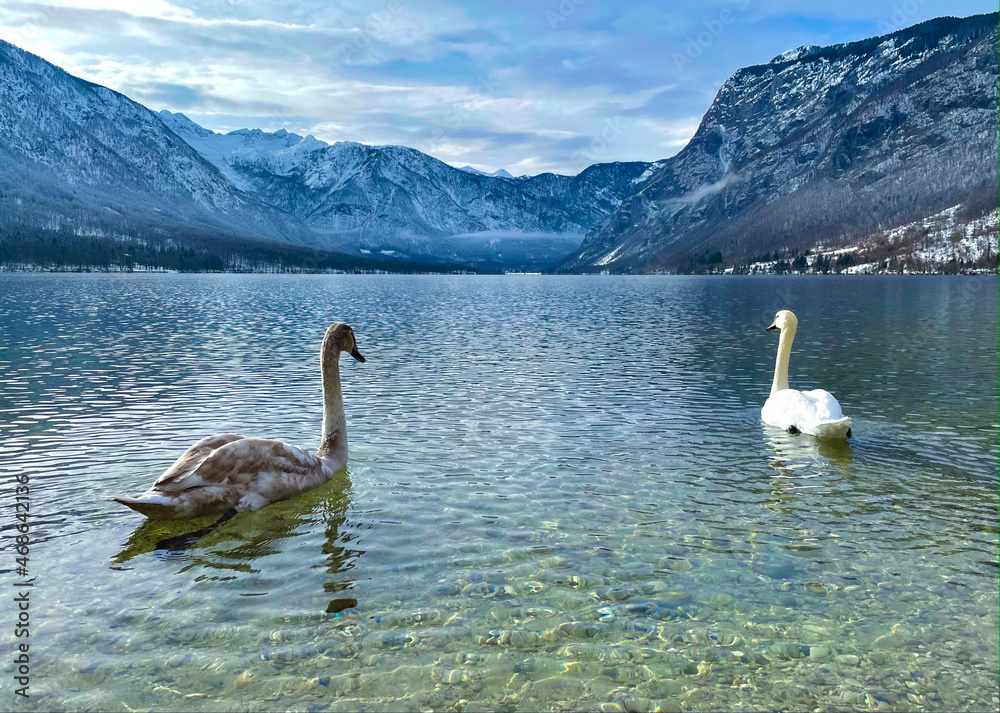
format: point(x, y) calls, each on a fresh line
point(526, 85)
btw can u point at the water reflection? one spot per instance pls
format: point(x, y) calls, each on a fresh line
point(523, 528)
point(793, 452)
point(239, 544)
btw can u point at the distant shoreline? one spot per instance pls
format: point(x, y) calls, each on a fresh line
point(100, 271)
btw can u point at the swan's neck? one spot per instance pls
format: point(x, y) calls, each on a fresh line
point(781, 363)
point(334, 439)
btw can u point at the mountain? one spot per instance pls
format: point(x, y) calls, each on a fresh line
point(820, 144)
point(242, 153)
point(500, 173)
point(394, 200)
point(79, 157)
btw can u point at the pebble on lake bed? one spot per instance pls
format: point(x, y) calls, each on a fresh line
point(631, 705)
point(820, 652)
point(679, 565)
point(451, 676)
point(817, 588)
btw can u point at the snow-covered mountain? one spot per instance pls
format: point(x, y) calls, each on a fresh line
point(820, 144)
point(79, 157)
point(394, 200)
point(499, 173)
point(245, 151)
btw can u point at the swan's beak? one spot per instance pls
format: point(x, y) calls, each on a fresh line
point(357, 355)
point(771, 328)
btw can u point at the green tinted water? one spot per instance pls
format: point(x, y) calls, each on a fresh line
point(560, 495)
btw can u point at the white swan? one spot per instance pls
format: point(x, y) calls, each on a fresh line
point(814, 412)
point(230, 473)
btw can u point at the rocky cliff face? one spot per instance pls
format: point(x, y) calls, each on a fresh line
point(818, 144)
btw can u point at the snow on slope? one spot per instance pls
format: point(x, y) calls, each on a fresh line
point(358, 197)
point(499, 173)
point(934, 243)
point(818, 142)
point(80, 157)
point(278, 152)
point(944, 242)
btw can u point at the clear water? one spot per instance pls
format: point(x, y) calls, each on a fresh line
point(560, 495)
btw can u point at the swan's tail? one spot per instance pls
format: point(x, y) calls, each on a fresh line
point(833, 429)
point(155, 507)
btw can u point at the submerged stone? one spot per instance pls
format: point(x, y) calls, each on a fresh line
point(679, 565)
point(338, 605)
point(785, 569)
point(820, 652)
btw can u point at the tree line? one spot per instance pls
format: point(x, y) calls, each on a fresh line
point(62, 250)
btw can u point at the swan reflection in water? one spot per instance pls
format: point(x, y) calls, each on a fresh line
point(791, 452)
point(799, 498)
point(235, 547)
point(803, 465)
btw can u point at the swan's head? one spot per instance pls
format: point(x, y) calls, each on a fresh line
point(784, 320)
point(340, 338)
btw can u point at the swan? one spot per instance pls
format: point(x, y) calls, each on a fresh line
point(230, 474)
point(814, 412)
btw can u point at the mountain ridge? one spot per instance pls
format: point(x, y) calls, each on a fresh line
point(420, 202)
point(499, 173)
point(818, 143)
point(81, 159)
point(74, 152)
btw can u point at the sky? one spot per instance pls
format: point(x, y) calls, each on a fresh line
point(525, 85)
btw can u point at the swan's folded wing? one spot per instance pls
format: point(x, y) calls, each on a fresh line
point(191, 459)
point(241, 461)
point(790, 407)
point(782, 408)
point(825, 406)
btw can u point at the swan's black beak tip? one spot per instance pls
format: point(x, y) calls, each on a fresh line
point(771, 328)
point(357, 355)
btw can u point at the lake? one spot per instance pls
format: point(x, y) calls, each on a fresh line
point(560, 495)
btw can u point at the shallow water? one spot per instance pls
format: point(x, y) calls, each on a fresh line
point(560, 495)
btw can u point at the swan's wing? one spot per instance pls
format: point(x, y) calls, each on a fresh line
point(825, 407)
point(801, 409)
point(192, 458)
point(241, 461)
point(782, 408)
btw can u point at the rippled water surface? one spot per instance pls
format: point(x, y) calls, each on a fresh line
point(560, 495)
